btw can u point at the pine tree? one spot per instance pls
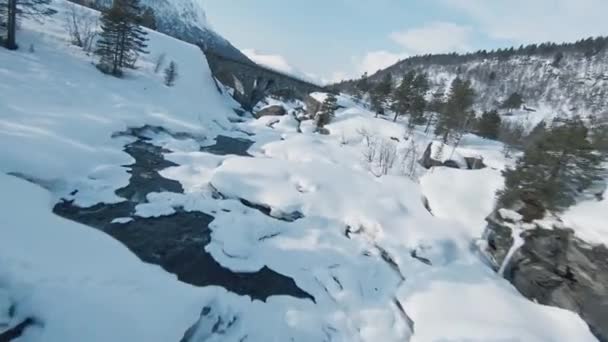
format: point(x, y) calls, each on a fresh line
point(419, 104)
point(11, 10)
point(403, 95)
point(514, 101)
point(599, 133)
point(171, 74)
point(488, 125)
point(510, 134)
point(122, 39)
point(455, 117)
point(436, 106)
point(555, 170)
point(328, 110)
point(534, 136)
point(362, 87)
point(380, 94)
point(409, 97)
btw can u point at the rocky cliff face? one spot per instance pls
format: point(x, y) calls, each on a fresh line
point(552, 267)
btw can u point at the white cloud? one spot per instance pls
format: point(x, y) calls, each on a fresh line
point(526, 21)
point(276, 62)
point(280, 63)
point(376, 60)
point(434, 37)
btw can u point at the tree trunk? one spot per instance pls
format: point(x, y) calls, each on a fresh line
point(446, 136)
point(11, 43)
point(396, 116)
point(428, 124)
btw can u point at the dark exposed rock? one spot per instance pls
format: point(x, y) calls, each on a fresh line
point(475, 163)
point(312, 106)
point(323, 131)
point(499, 238)
point(532, 208)
point(209, 324)
point(225, 145)
point(275, 110)
point(553, 267)
point(266, 210)
point(427, 161)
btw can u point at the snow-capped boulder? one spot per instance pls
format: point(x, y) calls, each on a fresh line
point(438, 154)
point(274, 110)
point(475, 163)
point(549, 265)
point(312, 106)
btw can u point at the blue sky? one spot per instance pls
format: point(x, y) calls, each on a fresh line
point(333, 39)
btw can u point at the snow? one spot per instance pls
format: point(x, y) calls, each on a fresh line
point(69, 111)
point(81, 282)
point(464, 303)
point(463, 196)
point(509, 215)
point(358, 241)
point(443, 153)
point(588, 219)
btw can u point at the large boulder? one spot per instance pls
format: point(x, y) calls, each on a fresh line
point(274, 110)
point(439, 154)
point(312, 106)
point(552, 267)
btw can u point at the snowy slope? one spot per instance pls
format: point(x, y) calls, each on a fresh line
point(577, 86)
point(69, 111)
point(379, 266)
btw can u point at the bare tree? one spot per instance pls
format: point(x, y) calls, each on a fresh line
point(379, 155)
point(81, 26)
point(387, 155)
point(369, 150)
point(409, 160)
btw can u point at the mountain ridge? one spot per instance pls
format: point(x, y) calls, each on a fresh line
point(554, 79)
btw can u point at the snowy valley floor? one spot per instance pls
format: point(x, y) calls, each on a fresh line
point(276, 233)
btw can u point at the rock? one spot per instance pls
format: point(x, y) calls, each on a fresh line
point(323, 131)
point(553, 267)
point(312, 106)
point(437, 154)
point(499, 240)
point(275, 110)
point(475, 163)
point(428, 161)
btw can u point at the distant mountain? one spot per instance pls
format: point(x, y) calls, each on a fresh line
point(185, 20)
point(554, 79)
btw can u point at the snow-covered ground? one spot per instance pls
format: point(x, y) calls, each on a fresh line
point(589, 220)
point(349, 228)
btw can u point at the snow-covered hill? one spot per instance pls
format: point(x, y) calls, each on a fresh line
point(578, 84)
point(274, 232)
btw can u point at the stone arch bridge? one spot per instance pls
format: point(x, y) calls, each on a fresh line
point(252, 82)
